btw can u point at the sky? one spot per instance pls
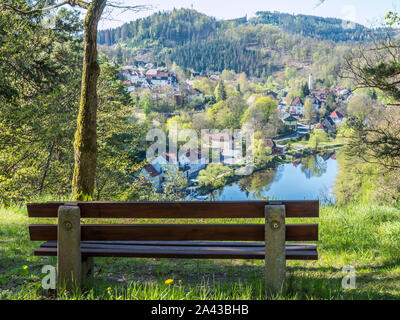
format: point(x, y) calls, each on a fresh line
point(366, 12)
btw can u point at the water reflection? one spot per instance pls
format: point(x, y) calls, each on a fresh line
point(314, 166)
point(307, 178)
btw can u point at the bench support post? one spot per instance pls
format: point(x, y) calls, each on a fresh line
point(87, 269)
point(69, 271)
point(275, 255)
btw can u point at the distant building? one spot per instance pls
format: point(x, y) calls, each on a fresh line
point(160, 79)
point(153, 176)
point(327, 125)
point(337, 117)
point(276, 149)
point(194, 159)
point(273, 95)
point(291, 122)
point(296, 107)
point(310, 82)
point(321, 95)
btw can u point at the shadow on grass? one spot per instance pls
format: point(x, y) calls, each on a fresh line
point(303, 282)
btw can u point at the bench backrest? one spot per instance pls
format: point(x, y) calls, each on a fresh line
point(176, 210)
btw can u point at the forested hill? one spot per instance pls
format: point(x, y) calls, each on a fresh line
point(185, 25)
point(255, 46)
point(312, 26)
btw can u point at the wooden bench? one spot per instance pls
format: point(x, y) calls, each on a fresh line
point(76, 244)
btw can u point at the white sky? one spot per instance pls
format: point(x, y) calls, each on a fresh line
point(367, 12)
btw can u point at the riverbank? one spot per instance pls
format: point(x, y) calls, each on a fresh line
point(273, 164)
point(365, 237)
point(276, 161)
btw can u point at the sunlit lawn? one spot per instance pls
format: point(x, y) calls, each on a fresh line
point(365, 237)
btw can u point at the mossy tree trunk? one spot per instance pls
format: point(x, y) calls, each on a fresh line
point(85, 144)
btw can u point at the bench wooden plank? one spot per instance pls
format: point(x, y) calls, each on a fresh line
point(95, 250)
point(176, 232)
point(189, 210)
point(52, 244)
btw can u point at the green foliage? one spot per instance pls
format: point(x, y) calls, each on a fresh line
point(360, 106)
point(220, 92)
point(262, 153)
point(38, 104)
point(226, 114)
point(121, 136)
point(39, 109)
point(317, 137)
point(258, 115)
point(214, 176)
point(258, 47)
point(312, 26)
point(310, 114)
point(365, 236)
point(305, 91)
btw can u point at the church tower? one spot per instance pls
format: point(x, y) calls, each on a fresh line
point(310, 87)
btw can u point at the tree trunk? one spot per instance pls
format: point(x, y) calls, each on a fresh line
point(85, 144)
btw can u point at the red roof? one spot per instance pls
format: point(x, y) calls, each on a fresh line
point(194, 152)
point(296, 101)
point(319, 92)
point(270, 143)
point(151, 170)
point(170, 157)
point(336, 115)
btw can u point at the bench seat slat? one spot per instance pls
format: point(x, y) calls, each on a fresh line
point(53, 244)
point(189, 210)
point(293, 251)
point(176, 232)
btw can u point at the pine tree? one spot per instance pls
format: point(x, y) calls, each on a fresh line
point(220, 92)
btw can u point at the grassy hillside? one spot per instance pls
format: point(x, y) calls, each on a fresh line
point(365, 237)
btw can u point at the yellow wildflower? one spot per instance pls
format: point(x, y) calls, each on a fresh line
point(169, 281)
point(25, 267)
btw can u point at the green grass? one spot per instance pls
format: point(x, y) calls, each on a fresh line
point(364, 236)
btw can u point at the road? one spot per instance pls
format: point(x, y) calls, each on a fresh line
point(302, 129)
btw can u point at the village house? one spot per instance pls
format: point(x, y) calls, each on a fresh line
point(296, 107)
point(222, 140)
point(321, 95)
point(290, 122)
point(152, 175)
point(273, 95)
point(337, 118)
point(221, 144)
point(282, 107)
point(317, 103)
point(187, 94)
point(194, 160)
point(275, 148)
point(160, 79)
point(170, 162)
point(327, 125)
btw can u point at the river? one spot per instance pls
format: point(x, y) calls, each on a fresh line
point(308, 178)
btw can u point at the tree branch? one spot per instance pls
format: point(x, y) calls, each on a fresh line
point(10, 7)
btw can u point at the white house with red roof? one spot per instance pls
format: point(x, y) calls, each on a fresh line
point(160, 79)
point(152, 175)
point(296, 107)
point(337, 117)
point(194, 160)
